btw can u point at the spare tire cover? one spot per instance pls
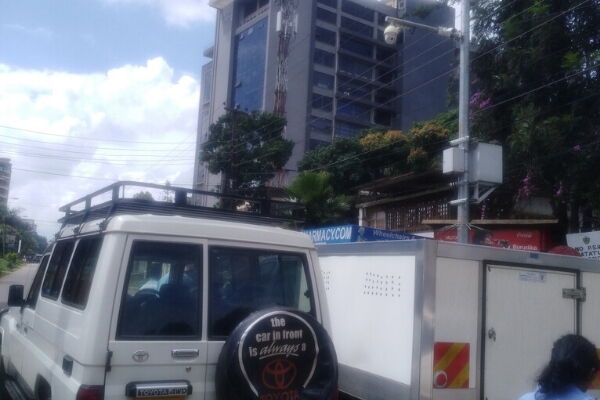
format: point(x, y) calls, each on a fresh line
point(277, 354)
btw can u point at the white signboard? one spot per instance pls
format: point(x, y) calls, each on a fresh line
point(588, 244)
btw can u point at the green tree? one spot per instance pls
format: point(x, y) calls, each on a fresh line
point(537, 76)
point(144, 196)
point(323, 205)
point(248, 149)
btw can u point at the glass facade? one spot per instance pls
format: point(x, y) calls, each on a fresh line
point(249, 67)
point(357, 27)
point(356, 46)
point(321, 102)
point(355, 67)
point(354, 89)
point(330, 3)
point(323, 57)
point(320, 125)
point(326, 16)
point(358, 11)
point(353, 110)
point(321, 80)
point(325, 36)
point(347, 129)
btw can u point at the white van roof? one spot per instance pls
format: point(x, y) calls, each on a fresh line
point(192, 227)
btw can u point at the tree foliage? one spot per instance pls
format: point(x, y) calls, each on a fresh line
point(537, 80)
point(12, 225)
point(248, 149)
point(323, 205)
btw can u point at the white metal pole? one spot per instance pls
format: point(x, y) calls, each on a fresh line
point(463, 123)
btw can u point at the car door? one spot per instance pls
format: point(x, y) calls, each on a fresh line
point(247, 278)
point(156, 342)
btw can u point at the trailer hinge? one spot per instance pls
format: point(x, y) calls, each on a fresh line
point(107, 366)
point(576, 294)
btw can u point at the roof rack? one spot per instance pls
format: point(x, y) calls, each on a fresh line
point(178, 201)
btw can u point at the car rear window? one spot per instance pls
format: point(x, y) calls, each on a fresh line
point(162, 295)
point(243, 281)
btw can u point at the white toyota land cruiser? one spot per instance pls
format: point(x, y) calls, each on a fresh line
point(147, 299)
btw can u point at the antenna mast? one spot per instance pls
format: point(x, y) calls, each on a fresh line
point(287, 25)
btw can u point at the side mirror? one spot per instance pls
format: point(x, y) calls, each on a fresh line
point(15, 296)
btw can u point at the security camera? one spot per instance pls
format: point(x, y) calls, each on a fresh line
point(390, 33)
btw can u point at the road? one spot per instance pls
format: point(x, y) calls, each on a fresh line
point(22, 276)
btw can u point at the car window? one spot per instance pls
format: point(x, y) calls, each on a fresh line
point(162, 295)
point(79, 278)
point(34, 290)
point(243, 281)
point(57, 266)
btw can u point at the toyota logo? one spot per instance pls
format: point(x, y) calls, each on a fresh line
point(279, 374)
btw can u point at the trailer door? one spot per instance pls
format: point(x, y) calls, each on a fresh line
point(525, 312)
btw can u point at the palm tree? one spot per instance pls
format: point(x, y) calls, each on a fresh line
point(323, 206)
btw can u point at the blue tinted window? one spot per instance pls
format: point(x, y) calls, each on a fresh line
point(322, 80)
point(354, 110)
point(347, 129)
point(324, 58)
point(320, 125)
point(357, 27)
point(325, 36)
point(326, 16)
point(358, 10)
point(354, 89)
point(330, 3)
point(250, 67)
point(355, 67)
point(324, 103)
point(356, 46)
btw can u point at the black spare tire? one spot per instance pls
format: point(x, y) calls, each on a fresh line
point(277, 354)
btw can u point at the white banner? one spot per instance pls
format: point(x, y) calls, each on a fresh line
point(588, 244)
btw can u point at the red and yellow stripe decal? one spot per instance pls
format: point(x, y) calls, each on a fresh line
point(450, 365)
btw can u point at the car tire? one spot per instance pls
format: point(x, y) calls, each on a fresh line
point(3, 377)
point(277, 354)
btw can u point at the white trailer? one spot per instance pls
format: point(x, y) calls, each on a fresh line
point(422, 319)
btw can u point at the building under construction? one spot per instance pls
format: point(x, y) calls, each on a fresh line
point(324, 65)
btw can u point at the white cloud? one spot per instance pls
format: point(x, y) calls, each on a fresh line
point(136, 122)
point(177, 12)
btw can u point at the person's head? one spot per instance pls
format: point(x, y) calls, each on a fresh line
point(573, 361)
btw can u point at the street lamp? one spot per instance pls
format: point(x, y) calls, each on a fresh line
point(391, 34)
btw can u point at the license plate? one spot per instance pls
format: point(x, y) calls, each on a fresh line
point(162, 390)
point(161, 398)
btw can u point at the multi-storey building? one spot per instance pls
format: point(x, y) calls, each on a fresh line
point(342, 77)
point(5, 173)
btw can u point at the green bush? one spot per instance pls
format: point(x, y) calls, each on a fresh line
point(13, 260)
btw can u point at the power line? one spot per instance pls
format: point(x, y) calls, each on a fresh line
point(81, 137)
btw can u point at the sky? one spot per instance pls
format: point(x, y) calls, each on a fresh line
point(95, 91)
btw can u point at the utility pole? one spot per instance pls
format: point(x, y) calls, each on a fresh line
point(391, 33)
point(286, 26)
point(464, 199)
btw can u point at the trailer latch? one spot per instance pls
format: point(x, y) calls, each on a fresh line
point(577, 294)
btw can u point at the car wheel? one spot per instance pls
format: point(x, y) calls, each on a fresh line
point(277, 354)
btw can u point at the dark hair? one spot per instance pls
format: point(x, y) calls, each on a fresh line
point(574, 361)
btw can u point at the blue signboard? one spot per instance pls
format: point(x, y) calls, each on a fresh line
point(354, 233)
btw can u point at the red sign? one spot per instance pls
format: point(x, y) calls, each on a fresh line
point(516, 239)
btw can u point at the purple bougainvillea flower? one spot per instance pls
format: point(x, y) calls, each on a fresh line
point(577, 148)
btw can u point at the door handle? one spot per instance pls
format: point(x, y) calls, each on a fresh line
point(492, 334)
point(185, 353)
